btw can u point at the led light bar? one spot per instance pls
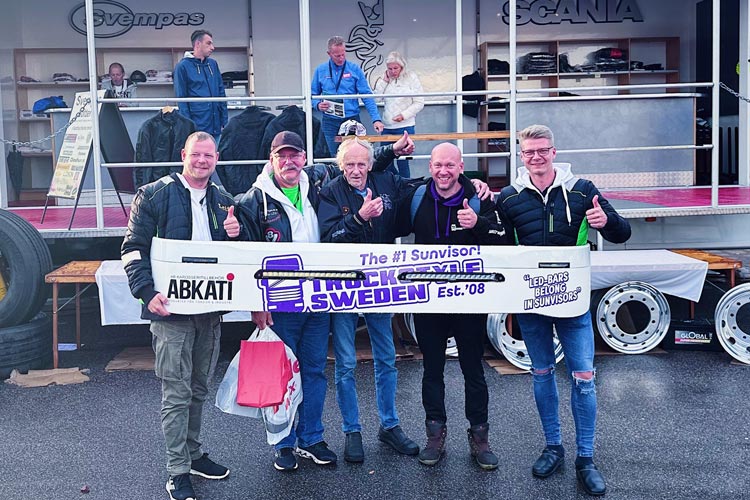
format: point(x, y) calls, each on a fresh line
point(281, 274)
point(452, 277)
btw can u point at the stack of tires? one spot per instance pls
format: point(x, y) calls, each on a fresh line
point(25, 331)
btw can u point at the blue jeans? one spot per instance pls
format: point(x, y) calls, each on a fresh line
point(403, 165)
point(330, 126)
point(577, 339)
point(307, 335)
point(344, 328)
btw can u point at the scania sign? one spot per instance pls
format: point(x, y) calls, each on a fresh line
point(574, 11)
point(112, 19)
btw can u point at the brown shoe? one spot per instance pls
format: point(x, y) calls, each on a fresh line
point(480, 446)
point(435, 447)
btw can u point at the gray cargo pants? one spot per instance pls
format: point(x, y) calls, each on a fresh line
point(186, 353)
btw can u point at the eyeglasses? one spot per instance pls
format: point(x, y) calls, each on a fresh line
point(529, 153)
point(285, 158)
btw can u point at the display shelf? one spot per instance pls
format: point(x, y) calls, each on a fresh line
point(42, 63)
point(37, 154)
point(663, 51)
point(32, 85)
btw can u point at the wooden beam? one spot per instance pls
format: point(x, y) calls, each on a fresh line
point(450, 136)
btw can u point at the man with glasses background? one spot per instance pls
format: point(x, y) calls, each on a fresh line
point(548, 206)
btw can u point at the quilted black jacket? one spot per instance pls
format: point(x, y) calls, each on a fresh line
point(160, 138)
point(162, 209)
point(241, 139)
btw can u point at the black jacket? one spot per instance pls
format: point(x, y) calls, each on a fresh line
point(162, 209)
point(559, 219)
point(160, 138)
point(293, 119)
point(339, 204)
point(264, 217)
point(430, 230)
point(241, 139)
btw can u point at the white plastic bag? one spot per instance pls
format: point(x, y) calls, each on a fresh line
point(279, 419)
point(226, 395)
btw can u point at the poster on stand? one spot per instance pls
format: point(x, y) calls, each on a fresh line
point(75, 150)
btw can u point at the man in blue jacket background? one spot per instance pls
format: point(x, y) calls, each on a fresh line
point(197, 75)
point(337, 76)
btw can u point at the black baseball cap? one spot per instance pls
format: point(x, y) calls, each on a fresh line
point(287, 139)
point(138, 76)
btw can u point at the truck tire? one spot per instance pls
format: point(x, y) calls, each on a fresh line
point(24, 261)
point(731, 318)
point(512, 346)
point(632, 317)
point(27, 346)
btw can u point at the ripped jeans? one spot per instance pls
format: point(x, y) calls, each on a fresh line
point(577, 338)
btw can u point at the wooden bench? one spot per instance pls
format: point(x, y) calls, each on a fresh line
point(75, 272)
point(715, 263)
point(448, 136)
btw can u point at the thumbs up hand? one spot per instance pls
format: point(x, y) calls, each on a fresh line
point(231, 224)
point(404, 145)
point(596, 216)
point(467, 217)
point(371, 207)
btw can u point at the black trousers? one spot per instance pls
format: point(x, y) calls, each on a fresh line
point(469, 330)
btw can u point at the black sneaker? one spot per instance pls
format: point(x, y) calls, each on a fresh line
point(318, 453)
point(397, 440)
point(179, 487)
point(353, 450)
point(205, 467)
point(285, 460)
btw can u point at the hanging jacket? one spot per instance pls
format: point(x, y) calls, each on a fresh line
point(408, 107)
point(557, 217)
point(201, 78)
point(241, 140)
point(160, 138)
point(293, 119)
point(163, 208)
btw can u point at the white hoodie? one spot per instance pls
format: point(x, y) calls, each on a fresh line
point(304, 225)
point(564, 178)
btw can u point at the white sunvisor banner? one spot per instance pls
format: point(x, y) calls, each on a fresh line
point(199, 277)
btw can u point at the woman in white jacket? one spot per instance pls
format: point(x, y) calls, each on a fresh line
point(400, 112)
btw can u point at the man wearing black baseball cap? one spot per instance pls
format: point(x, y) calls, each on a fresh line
point(282, 206)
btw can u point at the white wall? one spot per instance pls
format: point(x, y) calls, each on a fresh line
point(10, 28)
point(423, 30)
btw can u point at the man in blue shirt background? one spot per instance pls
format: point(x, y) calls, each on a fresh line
point(337, 76)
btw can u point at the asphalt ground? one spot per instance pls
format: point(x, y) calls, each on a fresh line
point(671, 426)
